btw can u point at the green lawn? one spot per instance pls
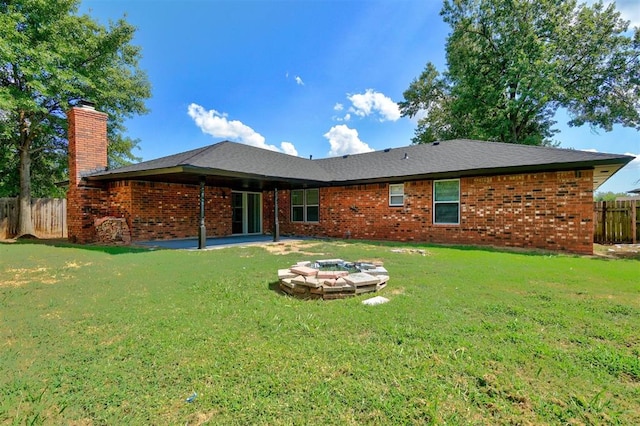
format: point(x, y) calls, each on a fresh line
point(470, 336)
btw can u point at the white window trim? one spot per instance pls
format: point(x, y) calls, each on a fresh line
point(445, 202)
point(396, 185)
point(304, 206)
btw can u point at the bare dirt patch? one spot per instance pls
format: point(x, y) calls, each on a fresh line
point(396, 291)
point(288, 247)
point(617, 251)
point(16, 277)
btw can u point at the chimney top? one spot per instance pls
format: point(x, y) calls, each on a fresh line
point(83, 103)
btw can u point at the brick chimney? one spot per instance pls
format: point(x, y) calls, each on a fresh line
point(87, 153)
point(87, 141)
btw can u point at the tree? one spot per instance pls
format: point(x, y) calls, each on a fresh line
point(609, 196)
point(513, 63)
point(50, 59)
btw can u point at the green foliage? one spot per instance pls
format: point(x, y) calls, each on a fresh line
point(47, 168)
point(513, 64)
point(608, 196)
point(470, 336)
point(50, 58)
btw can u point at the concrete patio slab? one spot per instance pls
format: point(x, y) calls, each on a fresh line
point(214, 243)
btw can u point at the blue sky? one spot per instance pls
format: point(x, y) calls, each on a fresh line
point(309, 78)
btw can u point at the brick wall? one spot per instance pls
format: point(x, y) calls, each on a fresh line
point(551, 211)
point(85, 205)
point(156, 210)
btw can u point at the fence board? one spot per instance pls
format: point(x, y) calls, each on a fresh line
point(616, 222)
point(49, 217)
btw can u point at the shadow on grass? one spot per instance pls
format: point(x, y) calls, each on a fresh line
point(275, 287)
point(61, 243)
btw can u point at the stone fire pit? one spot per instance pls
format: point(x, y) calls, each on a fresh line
point(332, 279)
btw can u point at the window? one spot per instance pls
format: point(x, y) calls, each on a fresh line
point(446, 201)
point(305, 205)
point(396, 194)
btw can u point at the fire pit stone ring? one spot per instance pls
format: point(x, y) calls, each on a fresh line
point(332, 278)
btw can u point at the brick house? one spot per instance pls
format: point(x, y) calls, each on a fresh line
point(454, 192)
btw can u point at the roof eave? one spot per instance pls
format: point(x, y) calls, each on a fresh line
point(115, 175)
point(198, 172)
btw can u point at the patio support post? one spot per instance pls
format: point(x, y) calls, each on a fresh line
point(276, 223)
point(202, 234)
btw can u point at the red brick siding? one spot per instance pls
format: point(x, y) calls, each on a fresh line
point(164, 211)
point(268, 215)
point(542, 210)
point(87, 142)
point(152, 210)
point(84, 205)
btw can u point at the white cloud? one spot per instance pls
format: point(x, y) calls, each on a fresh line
point(219, 126)
point(288, 148)
point(339, 107)
point(299, 81)
point(635, 163)
point(344, 140)
point(629, 10)
point(371, 102)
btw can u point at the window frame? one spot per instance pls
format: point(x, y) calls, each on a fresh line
point(305, 205)
point(445, 202)
point(392, 185)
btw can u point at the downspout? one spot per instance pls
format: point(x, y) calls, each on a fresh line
point(202, 233)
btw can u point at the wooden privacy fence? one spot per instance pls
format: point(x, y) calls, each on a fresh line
point(617, 222)
point(49, 217)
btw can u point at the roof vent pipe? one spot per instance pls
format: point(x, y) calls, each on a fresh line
point(311, 157)
point(406, 156)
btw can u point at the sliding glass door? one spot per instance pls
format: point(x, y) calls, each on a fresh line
point(246, 216)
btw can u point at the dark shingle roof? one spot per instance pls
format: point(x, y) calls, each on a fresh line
point(226, 159)
point(460, 157)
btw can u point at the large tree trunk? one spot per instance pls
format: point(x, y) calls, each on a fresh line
point(25, 223)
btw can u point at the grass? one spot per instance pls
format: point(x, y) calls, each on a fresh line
point(470, 336)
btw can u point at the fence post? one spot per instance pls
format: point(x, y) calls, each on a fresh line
point(634, 224)
point(605, 236)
